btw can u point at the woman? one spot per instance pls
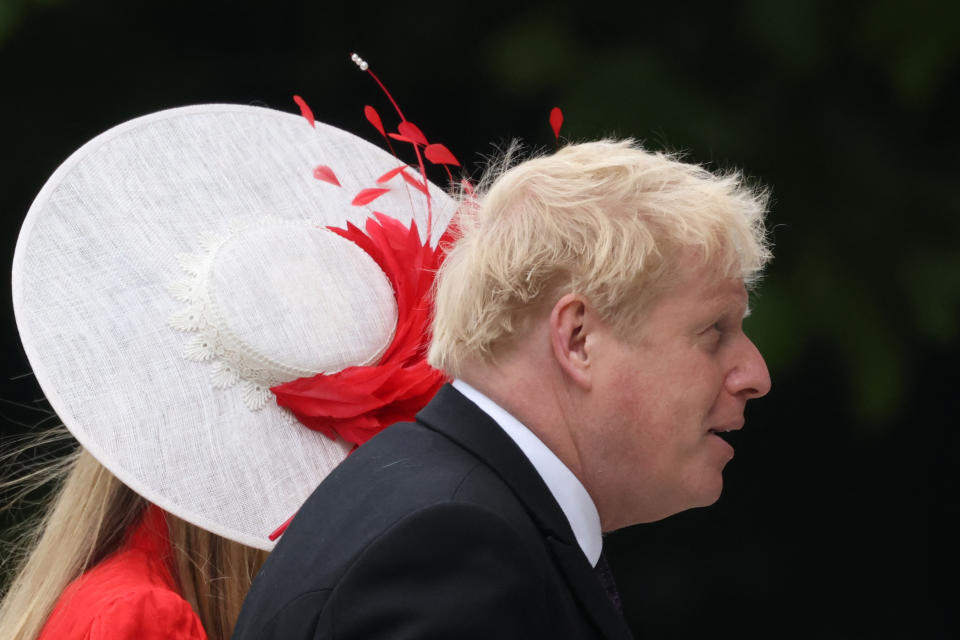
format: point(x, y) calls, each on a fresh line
point(217, 337)
point(137, 550)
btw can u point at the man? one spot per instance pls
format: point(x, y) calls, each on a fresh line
point(591, 315)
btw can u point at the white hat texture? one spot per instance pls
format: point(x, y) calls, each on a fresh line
point(177, 266)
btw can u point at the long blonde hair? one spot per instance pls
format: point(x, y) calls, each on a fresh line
point(87, 520)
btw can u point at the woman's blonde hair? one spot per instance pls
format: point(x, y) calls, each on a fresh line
point(88, 519)
point(214, 574)
point(605, 219)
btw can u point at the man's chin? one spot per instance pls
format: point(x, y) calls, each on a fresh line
point(709, 492)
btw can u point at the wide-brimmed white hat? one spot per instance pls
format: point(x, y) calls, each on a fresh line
point(179, 265)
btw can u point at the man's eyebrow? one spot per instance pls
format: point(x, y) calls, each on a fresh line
point(727, 304)
point(727, 297)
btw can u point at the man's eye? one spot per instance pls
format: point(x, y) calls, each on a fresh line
point(714, 330)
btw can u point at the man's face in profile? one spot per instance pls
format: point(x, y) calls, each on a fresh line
point(665, 393)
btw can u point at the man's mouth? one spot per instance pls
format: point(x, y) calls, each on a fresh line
point(726, 433)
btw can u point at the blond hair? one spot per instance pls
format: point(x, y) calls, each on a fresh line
point(605, 219)
point(214, 574)
point(87, 520)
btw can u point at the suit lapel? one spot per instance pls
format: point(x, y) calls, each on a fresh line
point(584, 583)
point(465, 423)
point(451, 414)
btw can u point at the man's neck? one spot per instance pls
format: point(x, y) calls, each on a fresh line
point(566, 488)
point(530, 396)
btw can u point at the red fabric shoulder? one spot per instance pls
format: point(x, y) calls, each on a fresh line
point(147, 614)
point(130, 594)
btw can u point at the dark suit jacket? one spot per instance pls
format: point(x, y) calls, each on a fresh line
point(436, 529)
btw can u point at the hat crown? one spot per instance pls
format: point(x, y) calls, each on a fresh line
point(251, 294)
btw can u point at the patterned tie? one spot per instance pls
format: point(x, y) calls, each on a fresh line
point(606, 579)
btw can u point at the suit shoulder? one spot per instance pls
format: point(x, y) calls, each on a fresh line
point(404, 469)
point(432, 572)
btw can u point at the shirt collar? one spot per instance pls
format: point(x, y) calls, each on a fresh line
point(567, 490)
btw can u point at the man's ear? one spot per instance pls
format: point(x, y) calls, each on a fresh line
point(568, 338)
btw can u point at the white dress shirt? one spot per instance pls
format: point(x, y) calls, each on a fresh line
point(565, 487)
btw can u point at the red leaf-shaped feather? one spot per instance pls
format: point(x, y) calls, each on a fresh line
point(358, 402)
point(374, 118)
point(305, 110)
point(389, 175)
point(367, 196)
point(414, 182)
point(325, 173)
point(439, 154)
point(556, 121)
point(409, 130)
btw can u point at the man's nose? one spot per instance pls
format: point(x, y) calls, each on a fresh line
point(750, 377)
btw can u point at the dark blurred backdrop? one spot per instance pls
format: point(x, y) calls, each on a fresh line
point(835, 519)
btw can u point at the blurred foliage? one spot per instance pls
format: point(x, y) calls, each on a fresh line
point(847, 113)
point(845, 110)
point(12, 13)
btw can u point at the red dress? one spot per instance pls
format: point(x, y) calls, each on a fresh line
point(130, 594)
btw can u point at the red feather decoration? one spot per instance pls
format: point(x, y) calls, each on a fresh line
point(420, 186)
point(389, 175)
point(439, 154)
point(412, 132)
point(366, 196)
point(374, 118)
point(358, 402)
point(325, 173)
point(556, 121)
point(305, 110)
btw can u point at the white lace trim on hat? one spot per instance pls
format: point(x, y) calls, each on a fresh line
point(280, 269)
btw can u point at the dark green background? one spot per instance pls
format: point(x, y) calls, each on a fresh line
point(834, 520)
